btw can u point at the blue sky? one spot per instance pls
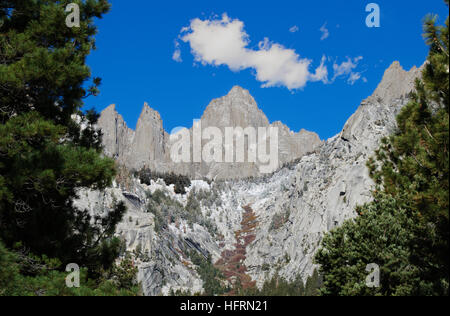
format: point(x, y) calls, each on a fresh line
point(137, 41)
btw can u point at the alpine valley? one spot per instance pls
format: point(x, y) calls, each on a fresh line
point(228, 218)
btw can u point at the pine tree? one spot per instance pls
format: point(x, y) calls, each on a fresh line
point(43, 61)
point(45, 154)
point(380, 235)
point(406, 229)
point(51, 282)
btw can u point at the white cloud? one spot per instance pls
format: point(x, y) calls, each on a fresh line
point(346, 69)
point(224, 42)
point(294, 29)
point(177, 56)
point(321, 72)
point(177, 53)
point(325, 32)
point(354, 76)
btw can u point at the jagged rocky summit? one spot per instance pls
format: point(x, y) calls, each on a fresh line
point(149, 145)
point(294, 207)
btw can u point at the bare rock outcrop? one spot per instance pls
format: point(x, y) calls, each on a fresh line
point(150, 146)
point(238, 108)
point(118, 138)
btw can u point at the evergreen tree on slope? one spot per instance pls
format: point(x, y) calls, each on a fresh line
point(405, 230)
point(45, 155)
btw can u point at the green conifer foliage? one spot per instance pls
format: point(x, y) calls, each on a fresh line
point(45, 154)
point(48, 281)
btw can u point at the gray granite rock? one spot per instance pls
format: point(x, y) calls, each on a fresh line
point(150, 146)
point(315, 194)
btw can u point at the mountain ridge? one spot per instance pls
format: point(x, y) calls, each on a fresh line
point(295, 206)
point(148, 146)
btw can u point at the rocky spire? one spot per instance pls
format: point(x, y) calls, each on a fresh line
point(117, 136)
point(150, 139)
point(149, 145)
point(237, 108)
point(396, 83)
point(377, 111)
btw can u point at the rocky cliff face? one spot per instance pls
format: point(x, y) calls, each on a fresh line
point(118, 137)
point(294, 207)
point(238, 108)
point(150, 146)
